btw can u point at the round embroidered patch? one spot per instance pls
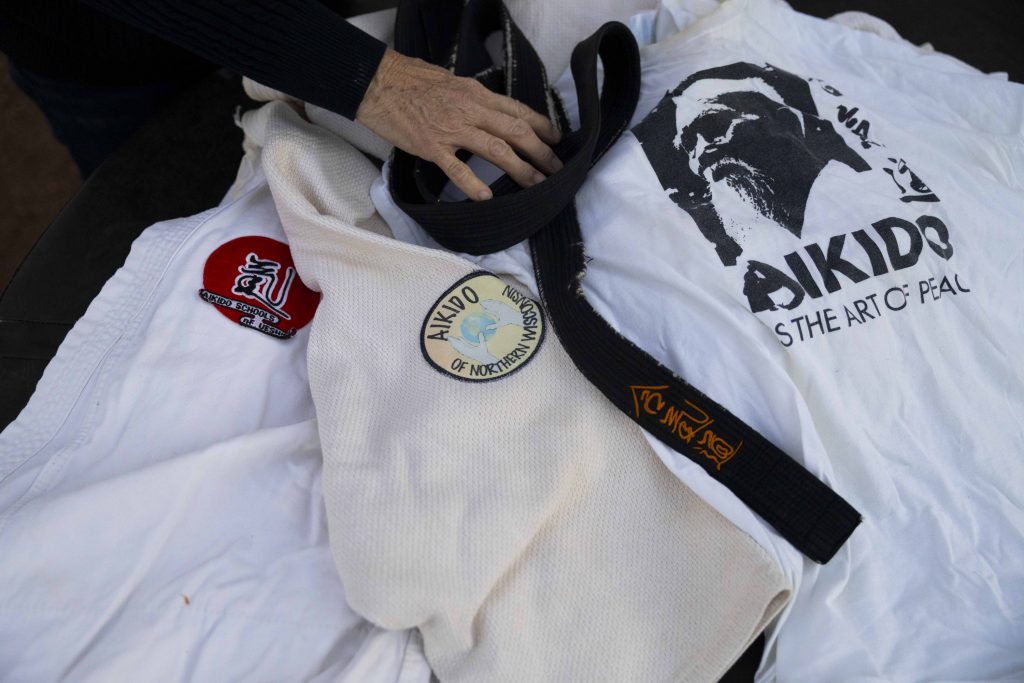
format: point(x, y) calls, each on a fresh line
point(252, 281)
point(481, 329)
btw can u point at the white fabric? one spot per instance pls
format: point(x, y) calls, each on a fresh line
point(160, 507)
point(522, 524)
point(554, 28)
point(866, 22)
point(913, 414)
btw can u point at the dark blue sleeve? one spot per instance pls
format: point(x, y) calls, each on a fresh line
point(299, 47)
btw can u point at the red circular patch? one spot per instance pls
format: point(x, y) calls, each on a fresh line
point(252, 281)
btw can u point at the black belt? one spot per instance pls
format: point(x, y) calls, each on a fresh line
point(805, 511)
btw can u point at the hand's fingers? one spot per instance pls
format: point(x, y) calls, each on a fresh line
point(538, 122)
point(499, 153)
point(463, 177)
point(519, 134)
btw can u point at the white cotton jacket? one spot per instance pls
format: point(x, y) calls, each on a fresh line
point(522, 524)
point(160, 509)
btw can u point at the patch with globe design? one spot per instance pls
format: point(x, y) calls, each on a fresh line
point(481, 329)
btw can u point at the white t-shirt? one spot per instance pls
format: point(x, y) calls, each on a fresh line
point(161, 516)
point(820, 228)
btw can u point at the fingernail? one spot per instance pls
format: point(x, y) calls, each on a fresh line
point(556, 164)
point(484, 195)
point(538, 177)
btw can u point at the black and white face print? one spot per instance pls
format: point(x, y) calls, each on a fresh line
point(738, 148)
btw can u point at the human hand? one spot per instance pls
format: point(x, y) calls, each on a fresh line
point(427, 112)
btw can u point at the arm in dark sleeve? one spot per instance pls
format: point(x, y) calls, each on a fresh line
point(299, 47)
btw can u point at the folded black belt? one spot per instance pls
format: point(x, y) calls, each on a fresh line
point(805, 511)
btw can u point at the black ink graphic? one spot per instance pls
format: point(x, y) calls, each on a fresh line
point(257, 279)
point(911, 186)
point(767, 150)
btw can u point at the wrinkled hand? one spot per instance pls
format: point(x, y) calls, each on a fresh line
point(426, 111)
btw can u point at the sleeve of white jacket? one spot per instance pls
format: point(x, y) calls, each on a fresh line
point(522, 524)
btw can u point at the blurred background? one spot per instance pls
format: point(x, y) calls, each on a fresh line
point(37, 175)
